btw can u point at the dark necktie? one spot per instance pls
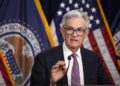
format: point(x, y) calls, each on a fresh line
point(75, 76)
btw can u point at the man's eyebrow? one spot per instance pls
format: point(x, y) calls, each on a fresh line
point(73, 27)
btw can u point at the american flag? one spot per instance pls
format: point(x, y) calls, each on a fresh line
point(98, 40)
point(5, 74)
point(13, 67)
point(12, 63)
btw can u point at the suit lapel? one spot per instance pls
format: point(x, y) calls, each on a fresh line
point(60, 55)
point(86, 70)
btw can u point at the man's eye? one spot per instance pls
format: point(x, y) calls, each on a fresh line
point(79, 30)
point(69, 28)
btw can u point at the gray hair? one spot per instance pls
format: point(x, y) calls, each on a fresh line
point(76, 14)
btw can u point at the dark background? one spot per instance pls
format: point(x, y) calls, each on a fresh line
point(110, 8)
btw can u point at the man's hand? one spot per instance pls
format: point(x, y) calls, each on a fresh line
point(58, 71)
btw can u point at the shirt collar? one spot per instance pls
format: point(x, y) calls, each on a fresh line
point(67, 52)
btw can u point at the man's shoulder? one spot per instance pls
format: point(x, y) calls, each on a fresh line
point(86, 50)
point(90, 56)
point(51, 51)
point(89, 52)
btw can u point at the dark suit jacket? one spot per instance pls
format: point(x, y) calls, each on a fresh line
point(92, 67)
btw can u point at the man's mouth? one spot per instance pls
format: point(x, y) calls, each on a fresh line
point(73, 40)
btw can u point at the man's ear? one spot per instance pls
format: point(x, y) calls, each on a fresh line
point(86, 33)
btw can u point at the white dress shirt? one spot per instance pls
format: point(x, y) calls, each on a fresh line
point(67, 52)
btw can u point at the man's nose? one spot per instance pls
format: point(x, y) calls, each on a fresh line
point(74, 33)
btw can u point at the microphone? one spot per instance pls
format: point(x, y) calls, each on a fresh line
point(69, 58)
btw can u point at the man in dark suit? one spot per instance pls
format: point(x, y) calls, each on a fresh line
point(69, 63)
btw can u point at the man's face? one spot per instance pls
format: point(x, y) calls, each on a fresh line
point(74, 32)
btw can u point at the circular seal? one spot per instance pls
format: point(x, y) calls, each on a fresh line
point(19, 45)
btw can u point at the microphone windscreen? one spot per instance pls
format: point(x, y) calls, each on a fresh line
point(69, 57)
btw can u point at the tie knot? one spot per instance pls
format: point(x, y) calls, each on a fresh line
point(74, 55)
